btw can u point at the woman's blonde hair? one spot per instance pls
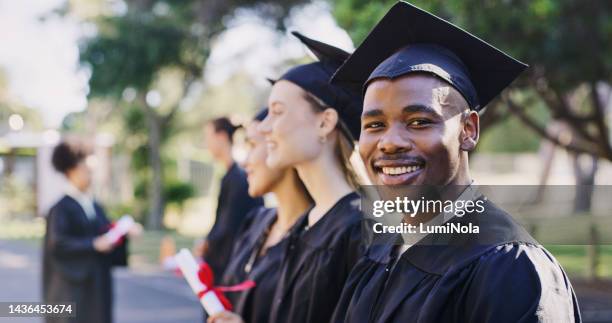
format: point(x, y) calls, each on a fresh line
point(345, 144)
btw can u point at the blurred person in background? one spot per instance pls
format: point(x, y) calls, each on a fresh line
point(77, 257)
point(233, 202)
point(259, 248)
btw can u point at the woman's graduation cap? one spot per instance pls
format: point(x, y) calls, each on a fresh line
point(314, 78)
point(409, 40)
point(261, 114)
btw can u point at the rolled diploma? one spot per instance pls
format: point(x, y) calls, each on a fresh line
point(121, 228)
point(189, 267)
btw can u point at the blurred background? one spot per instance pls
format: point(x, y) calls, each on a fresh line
point(138, 78)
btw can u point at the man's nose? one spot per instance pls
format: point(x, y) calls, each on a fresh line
point(395, 140)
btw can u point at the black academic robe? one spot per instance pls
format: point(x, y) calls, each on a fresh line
point(233, 205)
point(254, 304)
point(500, 275)
point(317, 263)
point(73, 271)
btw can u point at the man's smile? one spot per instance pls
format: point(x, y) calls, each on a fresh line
point(398, 171)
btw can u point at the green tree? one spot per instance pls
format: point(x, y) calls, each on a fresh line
point(132, 50)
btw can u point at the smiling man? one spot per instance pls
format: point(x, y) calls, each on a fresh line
point(417, 130)
point(424, 82)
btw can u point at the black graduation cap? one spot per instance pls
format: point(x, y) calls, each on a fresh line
point(261, 114)
point(409, 40)
point(314, 78)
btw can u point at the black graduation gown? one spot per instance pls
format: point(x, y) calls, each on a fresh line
point(233, 205)
point(72, 270)
point(503, 275)
point(317, 263)
point(254, 304)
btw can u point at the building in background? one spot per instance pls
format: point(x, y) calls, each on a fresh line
point(28, 181)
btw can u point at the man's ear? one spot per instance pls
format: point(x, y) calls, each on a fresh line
point(471, 131)
point(329, 120)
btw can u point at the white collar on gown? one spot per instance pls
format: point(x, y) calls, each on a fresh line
point(85, 200)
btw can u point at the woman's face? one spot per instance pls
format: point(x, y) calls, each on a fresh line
point(261, 178)
point(80, 176)
point(291, 128)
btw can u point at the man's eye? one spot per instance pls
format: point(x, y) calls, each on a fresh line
point(373, 125)
point(419, 123)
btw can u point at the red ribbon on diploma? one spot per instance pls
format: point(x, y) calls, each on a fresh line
point(121, 240)
point(206, 276)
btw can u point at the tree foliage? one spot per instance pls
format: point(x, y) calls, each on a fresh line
point(132, 50)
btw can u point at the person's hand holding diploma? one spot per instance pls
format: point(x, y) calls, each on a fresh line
point(225, 317)
point(103, 244)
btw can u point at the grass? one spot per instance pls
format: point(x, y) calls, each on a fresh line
point(574, 259)
point(570, 230)
point(146, 249)
point(22, 229)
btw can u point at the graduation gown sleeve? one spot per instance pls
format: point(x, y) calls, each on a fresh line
point(254, 304)
point(119, 256)
point(60, 240)
point(69, 239)
point(519, 283)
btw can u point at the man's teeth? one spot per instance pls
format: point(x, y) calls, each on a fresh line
point(399, 170)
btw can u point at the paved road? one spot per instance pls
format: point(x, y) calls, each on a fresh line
point(160, 297)
point(595, 300)
point(140, 297)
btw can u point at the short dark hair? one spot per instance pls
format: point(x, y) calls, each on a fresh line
point(223, 124)
point(67, 155)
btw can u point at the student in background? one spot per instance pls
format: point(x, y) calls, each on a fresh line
point(259, 248)
point(234, 201)
point(77, 257)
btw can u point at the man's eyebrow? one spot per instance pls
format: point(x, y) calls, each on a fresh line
point(372, 113)
point(420, 108)
point(413, 108)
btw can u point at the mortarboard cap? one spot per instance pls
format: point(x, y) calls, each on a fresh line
point(314, 78)
point(409, 40)
point(261, 114)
